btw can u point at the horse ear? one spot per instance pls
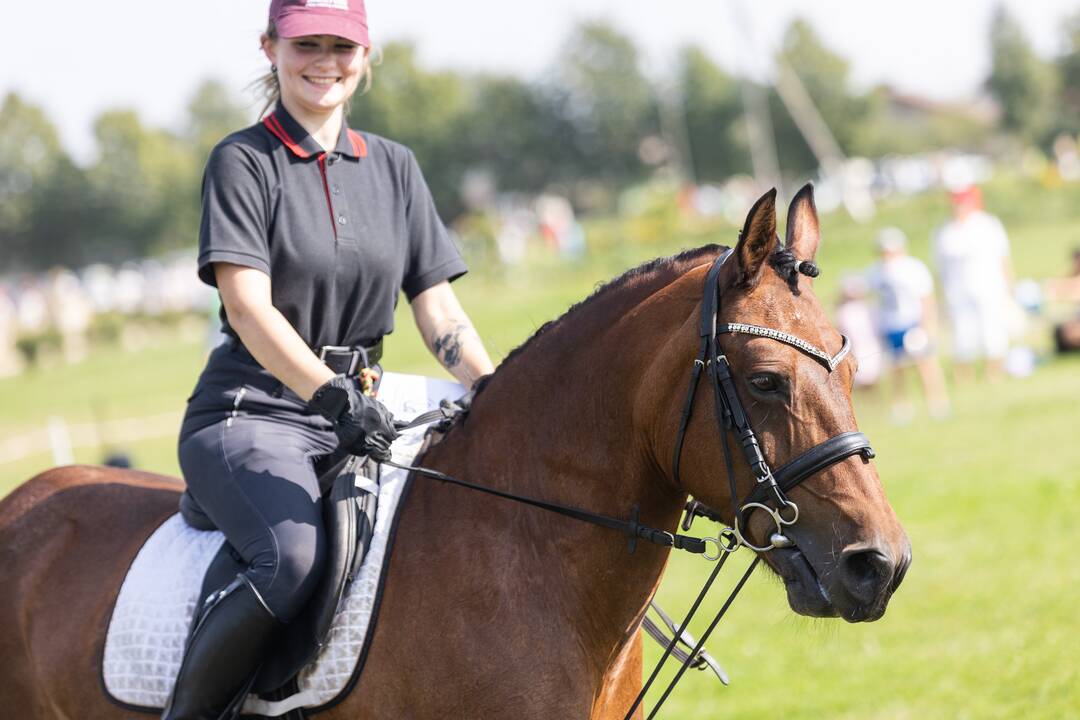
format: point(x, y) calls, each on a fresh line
point(758, 238)
point(803, 229)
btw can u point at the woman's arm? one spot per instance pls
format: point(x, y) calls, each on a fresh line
point(450, 335)
point(265, 332)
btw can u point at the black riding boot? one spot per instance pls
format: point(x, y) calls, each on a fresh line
point(223, 653)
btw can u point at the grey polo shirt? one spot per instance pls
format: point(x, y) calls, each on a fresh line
point(339, 233)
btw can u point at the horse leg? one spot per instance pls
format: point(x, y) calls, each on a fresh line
point(622, 682)
point(67, 538)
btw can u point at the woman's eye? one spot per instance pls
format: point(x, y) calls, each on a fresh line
point(764, 383)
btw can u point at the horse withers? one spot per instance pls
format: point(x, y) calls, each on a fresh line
point(493, 609)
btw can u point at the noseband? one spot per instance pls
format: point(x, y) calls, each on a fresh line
point(731, 417)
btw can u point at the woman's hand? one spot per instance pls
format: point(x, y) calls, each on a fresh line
point(450, 335)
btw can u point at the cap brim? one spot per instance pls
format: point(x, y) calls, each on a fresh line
point(311, 22)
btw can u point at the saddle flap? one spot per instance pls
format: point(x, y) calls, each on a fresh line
point(348, 534)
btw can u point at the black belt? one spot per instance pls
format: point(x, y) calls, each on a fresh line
point(343, 360)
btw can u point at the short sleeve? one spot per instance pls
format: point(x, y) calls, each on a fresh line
point(432, 255)
point(922, 282)
point(998, 238)
point(233, 228)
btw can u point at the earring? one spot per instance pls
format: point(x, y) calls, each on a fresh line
point(273, 69)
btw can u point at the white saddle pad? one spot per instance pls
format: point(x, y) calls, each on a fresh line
point(149, 626)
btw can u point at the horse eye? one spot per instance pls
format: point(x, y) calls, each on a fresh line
point(764, 383)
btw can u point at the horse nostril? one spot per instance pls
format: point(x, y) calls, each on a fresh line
point(864, 573)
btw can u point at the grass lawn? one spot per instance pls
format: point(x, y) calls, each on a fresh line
point(985, 625)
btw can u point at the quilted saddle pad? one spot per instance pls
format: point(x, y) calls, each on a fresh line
point(145, 641)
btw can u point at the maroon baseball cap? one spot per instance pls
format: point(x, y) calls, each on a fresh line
point(343, 18)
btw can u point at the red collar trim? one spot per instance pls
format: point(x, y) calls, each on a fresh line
point(274, 126)
point(358, 145)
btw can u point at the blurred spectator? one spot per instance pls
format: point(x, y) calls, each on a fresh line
point(907, 319)
point(972, 256)
point(1067, 289)
point(855, 319)
point(10, 361)
point(70, 312)
point(31, 309)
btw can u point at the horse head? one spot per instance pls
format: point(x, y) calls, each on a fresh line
point(846, 552)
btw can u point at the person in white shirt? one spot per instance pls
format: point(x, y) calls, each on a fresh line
point(907, 321)
point(971, 253)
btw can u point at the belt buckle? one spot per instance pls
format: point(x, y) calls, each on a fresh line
point(358, 356)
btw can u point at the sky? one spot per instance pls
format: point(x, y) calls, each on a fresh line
point(77, 58)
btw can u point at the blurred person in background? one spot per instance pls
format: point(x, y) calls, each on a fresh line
point(855, 319)
point(1067, 290)
point(971, 253)
point(310, 231)
point(70, 312)
point(907, 319)
point(10, 361)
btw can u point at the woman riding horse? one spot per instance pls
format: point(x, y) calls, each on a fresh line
point(309, 231)
point(508, 612)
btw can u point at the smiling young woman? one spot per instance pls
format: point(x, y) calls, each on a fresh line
point(309, 230)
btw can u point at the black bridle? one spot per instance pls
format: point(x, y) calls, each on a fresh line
point(769, 485)
point(731, 416)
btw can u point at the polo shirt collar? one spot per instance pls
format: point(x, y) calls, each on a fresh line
point(293, 136)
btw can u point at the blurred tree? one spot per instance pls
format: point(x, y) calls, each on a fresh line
point(144, 188)
point(1068, 68)
point(213, 113)
point(600, 90)
point(515, 133)
point(714, 115)
point(1024, 85)
point(895, 123)
point(824, 75)
point(30, 154)
point(423, 110)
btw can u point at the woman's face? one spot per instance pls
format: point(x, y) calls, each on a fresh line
point(317, 73)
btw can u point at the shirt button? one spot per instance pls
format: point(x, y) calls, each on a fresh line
point(336, 190)
point(342, 220)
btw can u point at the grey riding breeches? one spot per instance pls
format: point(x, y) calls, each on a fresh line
point(247, 451)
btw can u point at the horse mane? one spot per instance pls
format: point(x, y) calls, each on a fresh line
point(782, 260)
point(636, 277)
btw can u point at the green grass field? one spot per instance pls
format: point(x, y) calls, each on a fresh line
point(985, 624)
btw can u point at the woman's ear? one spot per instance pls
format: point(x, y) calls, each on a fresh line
point(269, 48)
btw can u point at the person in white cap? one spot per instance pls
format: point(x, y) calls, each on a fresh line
point(907, 319)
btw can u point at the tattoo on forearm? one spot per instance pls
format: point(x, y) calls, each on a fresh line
point(447, 344)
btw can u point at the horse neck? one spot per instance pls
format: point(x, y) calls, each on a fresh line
point(565, 422)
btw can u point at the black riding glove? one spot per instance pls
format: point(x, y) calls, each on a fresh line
point(363, 424)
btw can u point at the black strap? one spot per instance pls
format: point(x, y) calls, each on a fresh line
point(674, 640)
point(632, 528)
point(816, 459)
point(705, 635)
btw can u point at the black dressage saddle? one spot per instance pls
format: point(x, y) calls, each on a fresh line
point(349, 515)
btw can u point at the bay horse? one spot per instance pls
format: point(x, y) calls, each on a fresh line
point(493, 609)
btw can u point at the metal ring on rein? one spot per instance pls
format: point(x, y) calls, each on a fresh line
point(726, 542)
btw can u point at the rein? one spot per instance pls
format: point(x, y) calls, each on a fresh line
point(732, 419)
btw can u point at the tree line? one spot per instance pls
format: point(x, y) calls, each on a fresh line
point(594, 124)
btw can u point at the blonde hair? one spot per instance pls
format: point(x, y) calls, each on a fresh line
point(269, 87)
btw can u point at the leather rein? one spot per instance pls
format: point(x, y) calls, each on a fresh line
point(732, 419)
